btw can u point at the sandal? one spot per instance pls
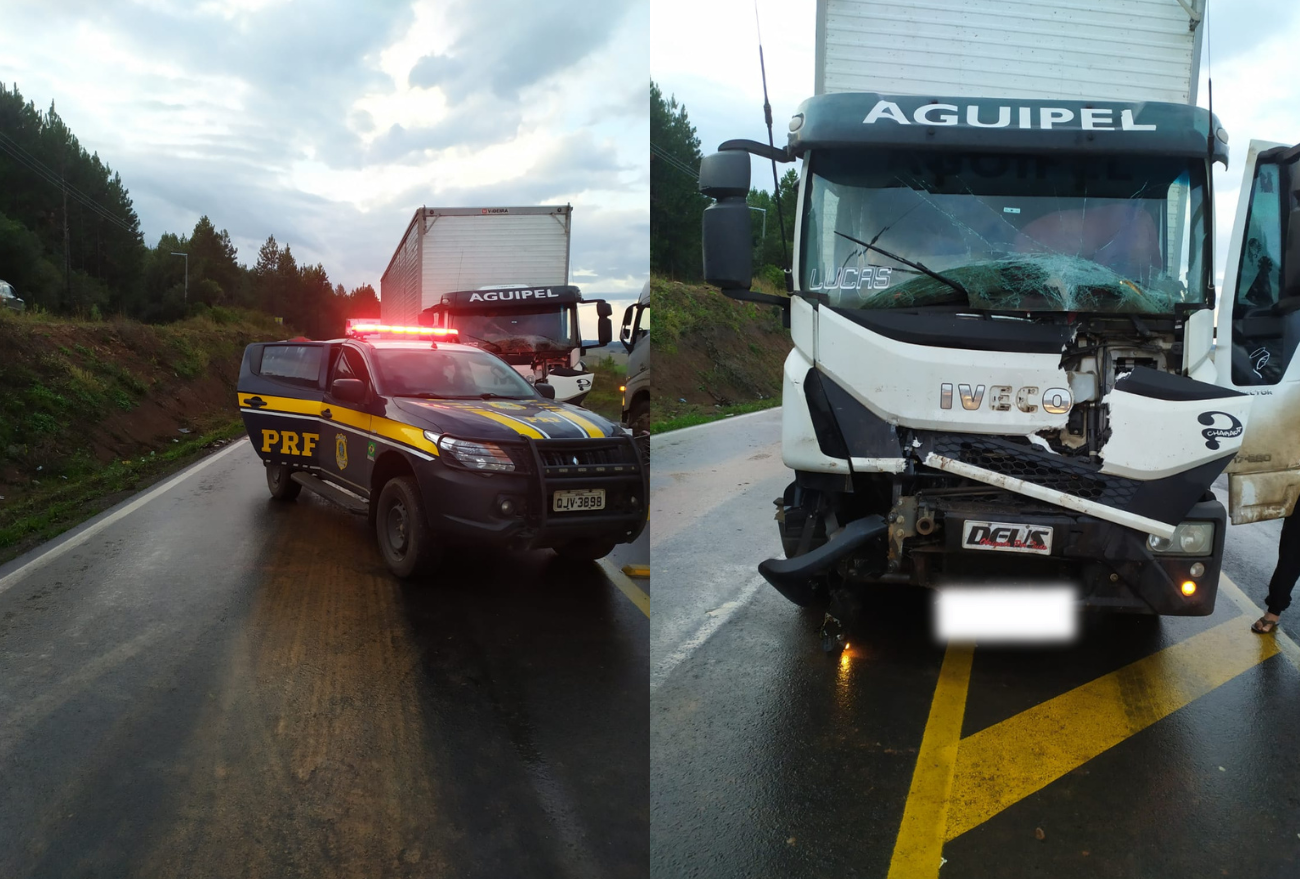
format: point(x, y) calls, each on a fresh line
point(1264, 626)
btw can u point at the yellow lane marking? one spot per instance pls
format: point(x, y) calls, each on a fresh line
point(1001, 765)
point(626, 586)
point(641, 572)
point(1288, 647)
point(918, 852)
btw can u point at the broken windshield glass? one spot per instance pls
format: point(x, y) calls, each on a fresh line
point(1122, 234)
point(516, 330)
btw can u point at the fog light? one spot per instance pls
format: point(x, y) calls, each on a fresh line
point(1197, 570)
point(634, 503)
point(506, 507)
point(1189, 588)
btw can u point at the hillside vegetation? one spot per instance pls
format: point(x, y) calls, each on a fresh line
point(90, 409)
point(712, 355)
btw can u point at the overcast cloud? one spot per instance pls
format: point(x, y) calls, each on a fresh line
point(707, 56)
point(327, 124)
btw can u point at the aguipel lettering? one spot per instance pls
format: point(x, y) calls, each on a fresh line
point(510, 295)
point(1085, 118)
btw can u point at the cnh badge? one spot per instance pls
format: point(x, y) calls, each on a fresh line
point(341, 451)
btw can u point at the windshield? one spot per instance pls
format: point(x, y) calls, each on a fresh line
point(1011, 232)
point(453, 375)
point(516, 330)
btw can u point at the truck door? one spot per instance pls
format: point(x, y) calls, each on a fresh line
point(347, 451)
point(279, 399)
point(1258, 330)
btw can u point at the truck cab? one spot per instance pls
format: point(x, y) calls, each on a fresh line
point(536, 330)
point(1003, 316)
point(635, 336)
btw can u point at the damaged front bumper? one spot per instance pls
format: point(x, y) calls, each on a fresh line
point(1113, 566)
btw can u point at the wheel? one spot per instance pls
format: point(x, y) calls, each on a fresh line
point(586, 550)
point(639, 418)
point(404, 537)
point(283, 488)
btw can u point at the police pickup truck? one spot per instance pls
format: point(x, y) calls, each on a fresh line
point(438, 442)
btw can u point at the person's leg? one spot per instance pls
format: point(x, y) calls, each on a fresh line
point(1288, 566)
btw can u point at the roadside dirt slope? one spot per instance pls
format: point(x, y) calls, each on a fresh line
point(712, 351)
point(75, 395)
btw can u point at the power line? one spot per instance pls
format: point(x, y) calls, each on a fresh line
point(674, 162)
point(31, 163)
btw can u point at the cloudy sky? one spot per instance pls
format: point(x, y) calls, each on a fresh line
point(328, 123)
point(1255, 63)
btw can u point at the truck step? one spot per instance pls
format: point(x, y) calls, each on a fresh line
point(346, 500)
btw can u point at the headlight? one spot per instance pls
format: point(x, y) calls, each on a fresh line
point(1190, 538)
point(487, 457)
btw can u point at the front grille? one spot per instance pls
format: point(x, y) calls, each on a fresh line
point(1056, 472)
point(592, 457)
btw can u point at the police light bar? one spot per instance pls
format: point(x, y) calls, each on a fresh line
point(366, 328)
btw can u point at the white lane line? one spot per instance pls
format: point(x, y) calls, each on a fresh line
point(716, 618)
point(81, 537)
point(1288, 647)
point(724, 420)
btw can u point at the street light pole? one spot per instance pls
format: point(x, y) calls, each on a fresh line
point(187, 275)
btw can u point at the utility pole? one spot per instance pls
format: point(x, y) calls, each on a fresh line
point(67, 239)
point(187, 275)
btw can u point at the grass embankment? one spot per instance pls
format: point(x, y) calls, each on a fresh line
point(605, 397)
point(712, 356)
point(93, 410)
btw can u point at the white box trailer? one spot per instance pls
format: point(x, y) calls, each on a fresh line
point(1112, 50)
point(499, 276)
point(446, 250)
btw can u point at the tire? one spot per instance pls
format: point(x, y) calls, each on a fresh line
point(639, 418)
point(586, 550)
point(405, 540)
point(277, 480)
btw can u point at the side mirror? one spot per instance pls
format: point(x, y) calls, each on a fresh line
point(546, 390)
point(349, 390)
point(605, 331)
point(604, 309)
point(728, 231)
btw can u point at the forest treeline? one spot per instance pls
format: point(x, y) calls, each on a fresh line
point(70, 242)
point(677, 207)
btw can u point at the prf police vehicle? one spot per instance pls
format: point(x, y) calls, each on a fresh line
point(437, 441)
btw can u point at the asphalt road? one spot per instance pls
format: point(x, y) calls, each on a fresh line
point(215, 684)
point(1151, 748)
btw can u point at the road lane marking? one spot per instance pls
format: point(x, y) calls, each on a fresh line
point(660, 671)
point(723, 420)
point(1284, 642)
point(634, 592)
point(918, 851)
point(640, 572)
point(82, 536)
point(1001, 765)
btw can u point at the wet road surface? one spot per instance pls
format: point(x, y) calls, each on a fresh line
point(219, 685)
point(1150, 748)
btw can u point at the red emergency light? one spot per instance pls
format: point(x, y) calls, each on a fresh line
point(366, 327)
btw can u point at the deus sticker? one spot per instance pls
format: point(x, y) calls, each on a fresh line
point(1007, 537)
point(370, 450)
point(1213, 434)
point(341, 451)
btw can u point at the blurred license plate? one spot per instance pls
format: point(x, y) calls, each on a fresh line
point(578, 499)
point(1019, 614)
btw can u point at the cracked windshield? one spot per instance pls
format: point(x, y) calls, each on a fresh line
point(898, 229)
point(547, 330)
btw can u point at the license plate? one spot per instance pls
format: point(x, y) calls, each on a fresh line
point(1007, 537)
point(568, 500)
point(1046, 613)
